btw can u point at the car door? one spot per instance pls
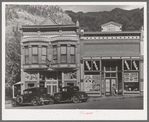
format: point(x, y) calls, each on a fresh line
point(25, 96)
point(65, 93)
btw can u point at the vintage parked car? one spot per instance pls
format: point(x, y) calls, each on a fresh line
point(71, 93)
point(34, 96)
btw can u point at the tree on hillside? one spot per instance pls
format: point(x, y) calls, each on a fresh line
point(13, 58)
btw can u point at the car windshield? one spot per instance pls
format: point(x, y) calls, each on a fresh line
point(43, 90)
point(75, 89)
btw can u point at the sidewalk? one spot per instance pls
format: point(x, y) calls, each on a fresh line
point(113, 97)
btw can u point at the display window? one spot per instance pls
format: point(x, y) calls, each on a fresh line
point(51, 75)
point(31, 76)
point(92, 82)
point(70, 75)
point(131, 82)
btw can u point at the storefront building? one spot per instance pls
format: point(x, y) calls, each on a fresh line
point(55, 55)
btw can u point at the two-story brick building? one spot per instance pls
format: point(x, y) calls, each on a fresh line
point(55, 55)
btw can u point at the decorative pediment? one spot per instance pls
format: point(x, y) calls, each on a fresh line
point(48, 21)
point(111, 26)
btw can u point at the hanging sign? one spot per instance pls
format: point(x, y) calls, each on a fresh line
point(127, 65)
point(88, 66)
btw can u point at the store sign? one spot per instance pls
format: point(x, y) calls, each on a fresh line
point(131, 65)
point(131, 77)
point(91, 65)
point(30, 76)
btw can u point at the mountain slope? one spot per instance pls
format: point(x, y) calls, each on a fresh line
point(92, 21)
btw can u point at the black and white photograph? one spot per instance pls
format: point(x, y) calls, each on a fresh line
point(74, 60)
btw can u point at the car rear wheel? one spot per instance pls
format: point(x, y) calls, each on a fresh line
point(75, 99)
point(34, 102)
point(13, 103)
point(57, 98)
point(51, 101)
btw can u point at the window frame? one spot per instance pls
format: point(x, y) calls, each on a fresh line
point(35, 54)
point(63, 54)
point(74, 55)
point(55, 54)
point(26, 55)
point(43, 61)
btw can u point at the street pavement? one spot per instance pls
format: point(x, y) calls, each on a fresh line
point(116, 102)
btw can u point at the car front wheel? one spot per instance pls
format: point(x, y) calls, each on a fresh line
point(57, 98)
point(75, 99)
point(34, 102)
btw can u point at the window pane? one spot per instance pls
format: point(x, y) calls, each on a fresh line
point(35, 59)
point(87, 65)
point(35, 51)
point(127, 65)
point(72, 58)
point(113, 74)
point(54, 50)
point(27, 59)
point(63, 49)
point(43, 59)
point(63, 58)
point(72, 50)
point(26, 51)
point(44, 50)
point(135, 65)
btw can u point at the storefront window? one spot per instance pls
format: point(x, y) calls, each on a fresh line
point(35, 54)
point(63, 54)
point(72, 54)
point(131, 65)
point(54, 54)
point(70, 75)
point(110, 65)
point(26, 55)
point(51, 75)
point(131, 82)
point(92, 83)
point(41, 75)
point(31, 76)
point(42, 84)
point(30, 85)
point(44, 54)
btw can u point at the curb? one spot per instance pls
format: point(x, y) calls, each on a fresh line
point(113, 97)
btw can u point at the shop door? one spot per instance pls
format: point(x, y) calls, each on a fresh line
point(109, 85)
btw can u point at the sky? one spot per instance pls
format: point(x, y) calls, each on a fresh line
point(97, 8)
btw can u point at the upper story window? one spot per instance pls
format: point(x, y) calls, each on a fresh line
point(44, 54)
point(63, 54)
point(54, 54)
point(26, 55)
point(72, 54)
point(35, 54)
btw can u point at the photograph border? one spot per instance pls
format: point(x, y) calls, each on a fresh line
point(94, 116)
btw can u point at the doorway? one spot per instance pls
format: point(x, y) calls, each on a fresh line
point(109, 85)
